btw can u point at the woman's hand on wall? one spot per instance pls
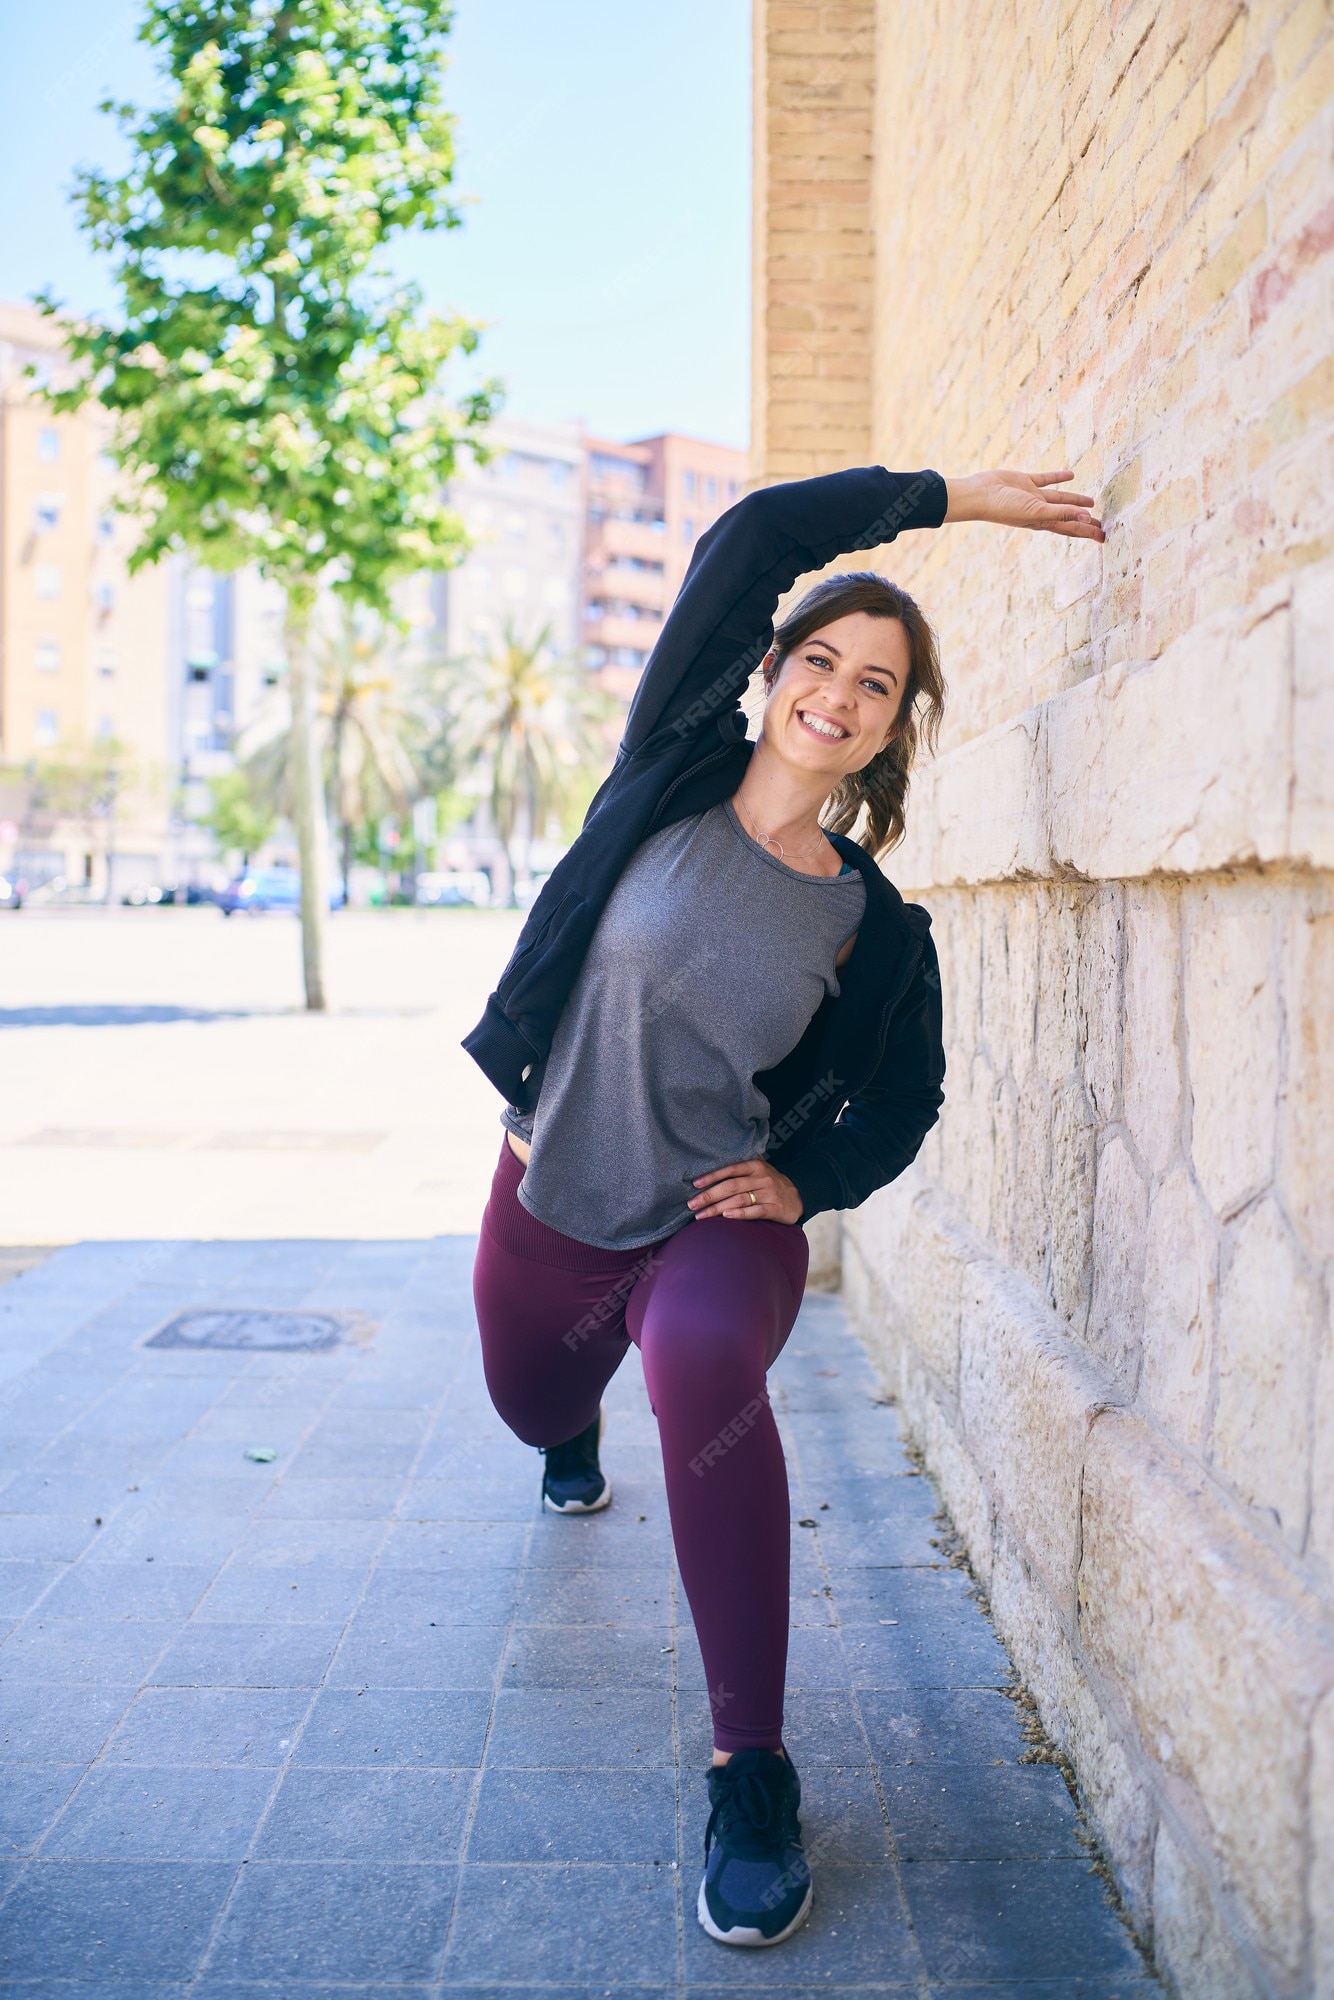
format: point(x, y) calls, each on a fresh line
point(727, 1191)
point(1023, 500)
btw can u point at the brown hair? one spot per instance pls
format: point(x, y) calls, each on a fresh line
point(882, 786)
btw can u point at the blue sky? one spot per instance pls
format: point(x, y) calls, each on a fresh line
point(606, 143)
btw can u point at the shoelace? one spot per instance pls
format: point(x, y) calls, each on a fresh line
point(749, 1805)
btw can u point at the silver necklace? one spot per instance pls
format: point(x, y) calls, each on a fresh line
point(769, 840)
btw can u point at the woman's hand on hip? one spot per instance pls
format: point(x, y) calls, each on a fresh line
point(727, 1191)
point(1023, 500)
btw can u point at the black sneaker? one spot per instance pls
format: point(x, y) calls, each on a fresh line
point(573, 1482)
point(756, 1887)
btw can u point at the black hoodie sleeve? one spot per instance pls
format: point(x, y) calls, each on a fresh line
point(721, 624)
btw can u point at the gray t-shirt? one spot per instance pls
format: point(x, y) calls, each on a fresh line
point(707, 964)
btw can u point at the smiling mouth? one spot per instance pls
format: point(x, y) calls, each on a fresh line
point(810, 720)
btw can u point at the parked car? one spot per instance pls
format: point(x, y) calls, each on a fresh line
point(12, 892)
point(269, 889)
point(446, 888)
point(60, 893)
point(145, 893)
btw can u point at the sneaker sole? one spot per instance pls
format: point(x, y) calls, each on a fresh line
point(579, 1506)
point(739, 1934)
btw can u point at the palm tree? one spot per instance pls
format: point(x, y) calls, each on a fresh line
point(535, 725)
point(375, 725)
point(374, 728)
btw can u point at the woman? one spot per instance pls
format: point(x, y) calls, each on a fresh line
point(720, 1011)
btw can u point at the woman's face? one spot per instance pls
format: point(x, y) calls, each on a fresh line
point(836, 701)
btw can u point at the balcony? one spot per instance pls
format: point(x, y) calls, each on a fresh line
point(641, 633)
point(611, 537)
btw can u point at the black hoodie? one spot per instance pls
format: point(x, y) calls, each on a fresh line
point(852, 1102)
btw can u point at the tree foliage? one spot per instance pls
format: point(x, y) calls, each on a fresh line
point(275, 403)
point(276, 400)
point(238, 816)
point(535, 727)
point(377, 727)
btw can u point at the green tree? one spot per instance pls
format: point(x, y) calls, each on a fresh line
point(537, 726)
point(276, 401)
point(86, 783)
point(238, 815)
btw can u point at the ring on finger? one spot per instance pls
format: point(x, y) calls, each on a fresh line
point(751, 1192)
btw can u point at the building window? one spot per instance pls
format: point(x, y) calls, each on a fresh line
point(46, 512)
point(516, 526)
point(106, 729)
point(622, 471)
point(558, 471)
point(731, 489)
point(46, 579)
point(688, 484)
point(104, 597)
point(46, 655)
point(106, 660)
point(710, 488)
point(556, 537)
point(47, 729)
point(106, 527)
point(48, 444)
point(687, 531)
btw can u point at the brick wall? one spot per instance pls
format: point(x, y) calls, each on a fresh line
point(1103, 236)
point(812, 247)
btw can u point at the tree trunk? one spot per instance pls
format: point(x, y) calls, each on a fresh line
point(307, 805)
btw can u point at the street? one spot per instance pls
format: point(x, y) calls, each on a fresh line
point(161, 1077)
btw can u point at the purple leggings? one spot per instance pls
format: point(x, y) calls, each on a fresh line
point(709, 1308)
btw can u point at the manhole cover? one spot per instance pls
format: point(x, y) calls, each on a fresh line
point(253, 1327)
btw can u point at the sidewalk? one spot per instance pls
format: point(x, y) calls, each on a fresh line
point(361, 1720)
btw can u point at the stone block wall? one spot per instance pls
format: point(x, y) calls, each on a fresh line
point(1102, 236)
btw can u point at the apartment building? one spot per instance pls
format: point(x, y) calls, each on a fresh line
point(84, 754)
point(524, 512)
point(648, 502)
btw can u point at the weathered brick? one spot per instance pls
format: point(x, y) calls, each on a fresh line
point(1229, 265)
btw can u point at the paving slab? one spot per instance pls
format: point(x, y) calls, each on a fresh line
point(361, 1719)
